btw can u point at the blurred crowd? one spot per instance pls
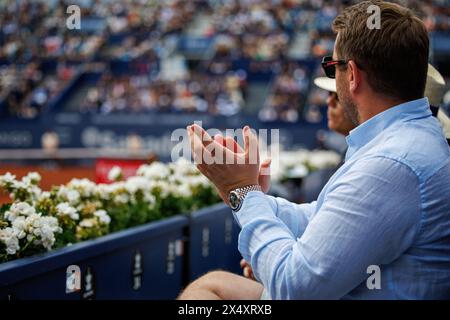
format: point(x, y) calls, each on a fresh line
point(40, 56)
point(199, 92)
point(288, 96)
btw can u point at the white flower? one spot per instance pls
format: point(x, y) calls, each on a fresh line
point(115, 173)
point(20, 227)
point(324, 159)
point(7, 178)
point(88, 223)
point(73, 196)
point(31, 178)
point(296, 163)
point(64, 209)
point(183, 167)
point(10, 240)
point(102, 216)
point(104, 191)
point(45, 228)
point(70, 195)
point(44, 195)
point(85, 187)
point(17, 209)
point(182, 190)
point(19, 185)
point(149, 198)
point(163, 186)
point(121, 198)
point(156, 170)
point(34, 176)
point(197, 181)
point(134, 184)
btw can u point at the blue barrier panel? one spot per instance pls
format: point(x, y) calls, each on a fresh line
point(144, 262)
point(212, 241)
point(77, 130)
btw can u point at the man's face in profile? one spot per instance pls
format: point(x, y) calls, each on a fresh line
point(343, 91)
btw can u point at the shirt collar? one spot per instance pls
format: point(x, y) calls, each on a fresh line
point(365, 132)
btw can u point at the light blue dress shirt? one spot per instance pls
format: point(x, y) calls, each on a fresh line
point(388, 206)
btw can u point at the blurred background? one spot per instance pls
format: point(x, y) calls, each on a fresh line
point(74, 103)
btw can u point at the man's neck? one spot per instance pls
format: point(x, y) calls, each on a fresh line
point(373, 105)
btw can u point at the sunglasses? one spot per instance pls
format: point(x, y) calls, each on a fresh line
point(329, 66)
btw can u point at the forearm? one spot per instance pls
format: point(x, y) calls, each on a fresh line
point(268, 242)
point(295, 216)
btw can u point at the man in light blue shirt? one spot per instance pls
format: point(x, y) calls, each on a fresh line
point(386, 211)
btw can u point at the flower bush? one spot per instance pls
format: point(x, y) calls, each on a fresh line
point(37, 221)
point(299, 163)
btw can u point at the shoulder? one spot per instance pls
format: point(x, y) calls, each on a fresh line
point(420, 145)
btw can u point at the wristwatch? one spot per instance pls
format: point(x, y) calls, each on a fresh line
point(237, 196)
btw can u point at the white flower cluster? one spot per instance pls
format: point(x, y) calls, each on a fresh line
point(70, 195)
point(154, 171)
point(64, 209)
point(86, 210)
point(85, 187)
point(176, 178)
point(115, 173)
point(299, 163)
point(29, 225)
point(24, 188)
point(100, 217)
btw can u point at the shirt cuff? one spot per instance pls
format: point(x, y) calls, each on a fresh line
point(254, 201)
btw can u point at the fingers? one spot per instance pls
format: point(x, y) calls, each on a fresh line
point(264, 175)
point(266, 163)
point(250, 146)
point(204, 147)
point(204, 136)
point(229, 143)
point(246, 269)
point(247, 272)
point(219, 138)
point(198, 150)
point(213, 153)
point(265, 167)
point(233, 145)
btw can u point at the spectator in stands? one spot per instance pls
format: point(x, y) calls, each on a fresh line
point(337, 120)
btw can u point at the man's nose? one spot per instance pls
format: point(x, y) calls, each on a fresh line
point(331, 101)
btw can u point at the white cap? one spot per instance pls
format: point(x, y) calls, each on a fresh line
point(435, 87)
point(326, 83)
point(445, 122)
point(435, 90)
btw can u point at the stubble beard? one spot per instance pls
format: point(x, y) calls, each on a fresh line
point(350, 108)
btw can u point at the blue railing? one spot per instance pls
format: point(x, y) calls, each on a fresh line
point(152, 261)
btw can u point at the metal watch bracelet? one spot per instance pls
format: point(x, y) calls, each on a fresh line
point(237, 196)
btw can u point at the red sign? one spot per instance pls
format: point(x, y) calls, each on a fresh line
point(103, 166)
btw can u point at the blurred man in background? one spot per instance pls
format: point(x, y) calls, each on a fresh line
point(337, 121)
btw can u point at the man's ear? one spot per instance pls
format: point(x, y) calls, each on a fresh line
point(355, 77)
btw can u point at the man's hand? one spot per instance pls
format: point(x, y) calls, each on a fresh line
point(264, 172)
point(228, 167)
point(247, 270)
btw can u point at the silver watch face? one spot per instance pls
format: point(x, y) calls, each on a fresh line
point(234, 200)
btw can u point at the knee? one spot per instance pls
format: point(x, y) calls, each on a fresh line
point(209, 281)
